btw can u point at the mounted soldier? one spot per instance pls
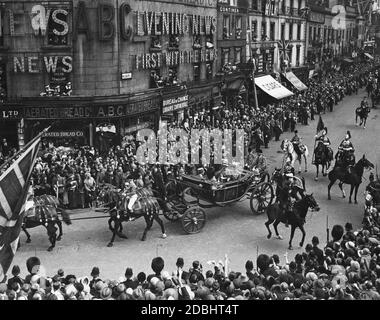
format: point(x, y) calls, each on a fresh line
point(288, 195)
point(345, 156)
point(324, 139)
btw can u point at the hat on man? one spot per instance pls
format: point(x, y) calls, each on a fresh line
point(95, 272)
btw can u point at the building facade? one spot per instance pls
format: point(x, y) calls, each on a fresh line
point(97, 63)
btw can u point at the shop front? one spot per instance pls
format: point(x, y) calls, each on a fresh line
point(9, 123)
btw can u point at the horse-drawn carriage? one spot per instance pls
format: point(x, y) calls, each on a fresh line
point(189, 195)
point(373, 190)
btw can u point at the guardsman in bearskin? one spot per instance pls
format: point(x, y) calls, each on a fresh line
point(345, 155)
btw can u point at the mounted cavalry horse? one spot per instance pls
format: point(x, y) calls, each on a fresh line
point(116, 204)
point(353, 178)
point(362, 113)
point(322, 157)
point(296, 218)
point(43, 211)
point(288, 147)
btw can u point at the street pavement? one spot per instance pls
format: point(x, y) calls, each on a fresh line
point(232, 230)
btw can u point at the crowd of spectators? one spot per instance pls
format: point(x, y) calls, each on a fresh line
point(347, 268)
point(73, 172)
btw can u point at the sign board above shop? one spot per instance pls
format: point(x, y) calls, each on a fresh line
point(175, 104)
point(63, 134)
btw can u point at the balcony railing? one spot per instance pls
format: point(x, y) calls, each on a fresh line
point(288, 11)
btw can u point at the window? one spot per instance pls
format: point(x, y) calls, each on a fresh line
point(254, 30)
point(172, 76)
point(298, 51)
point(324, 34)
point(263, 30)
point(53, 30)
point(156, 80)
point(271, 31)
point(3, 81)
point(237, 56)
point(310, 34)
point(298, 31)
point(226, 56)
point(315, 33)
point(238, 25)
point(282, 31)
point(2, 27)
point(155, 43)
point(209, 68)
point(255, 5)
point(263, 5)
point(197, 72)
point(290, 31)
point(226, 27)
point(290, 54)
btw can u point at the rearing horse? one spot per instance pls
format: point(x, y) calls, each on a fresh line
point(288, 147)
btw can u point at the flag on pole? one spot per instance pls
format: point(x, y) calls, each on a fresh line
point(320, 124)
point(14, 185)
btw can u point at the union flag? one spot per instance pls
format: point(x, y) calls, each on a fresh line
point(283, 47)
point(14, 185)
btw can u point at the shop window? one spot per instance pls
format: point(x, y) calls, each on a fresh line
point(271, 31)
point(254, 30)
point(255, 5)
point(197, 42)
point(156, 80)
point(298, 31)
point(226, 27)
point(197, 72)
point(172, 79)
point(173, 42)
point(282, 31)
point(54, 29)
point(3, 82)
point(209, 42)
point(238, 27)
point(263, 31)
point(283, 8)
point(155, 43)
point(209, 68)
point(263, 5)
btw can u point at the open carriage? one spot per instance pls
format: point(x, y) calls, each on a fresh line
point(189, 195)
point(374, 191)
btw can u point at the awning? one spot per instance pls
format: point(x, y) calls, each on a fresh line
point(270, 86)
point(348, 60)
point(368, 55)
point(297, 83)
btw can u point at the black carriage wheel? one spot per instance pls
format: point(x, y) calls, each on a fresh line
point(193, 220)
point(261, 198)
point(171, 215)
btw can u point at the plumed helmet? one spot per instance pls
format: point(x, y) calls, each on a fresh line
point(349, 134)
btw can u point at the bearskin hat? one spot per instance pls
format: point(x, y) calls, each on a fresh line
point(337, 232)
point(31, 263)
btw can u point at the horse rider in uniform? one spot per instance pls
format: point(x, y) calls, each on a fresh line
point(296, 140)
point(345, 154)
point(260, 162)
point(288, 195)
point(130, 189)
point(326, 142)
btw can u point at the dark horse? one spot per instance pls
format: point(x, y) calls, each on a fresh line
point(322, 158)
point(354, 178)
point(146, 206)
point(44, 211)
point(296, 218)
point(362, 113)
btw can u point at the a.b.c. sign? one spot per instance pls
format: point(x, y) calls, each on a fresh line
point(63, 134)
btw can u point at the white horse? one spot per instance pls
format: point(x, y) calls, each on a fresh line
point(288, 147)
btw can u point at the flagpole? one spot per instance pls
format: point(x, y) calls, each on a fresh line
point(25, 147)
